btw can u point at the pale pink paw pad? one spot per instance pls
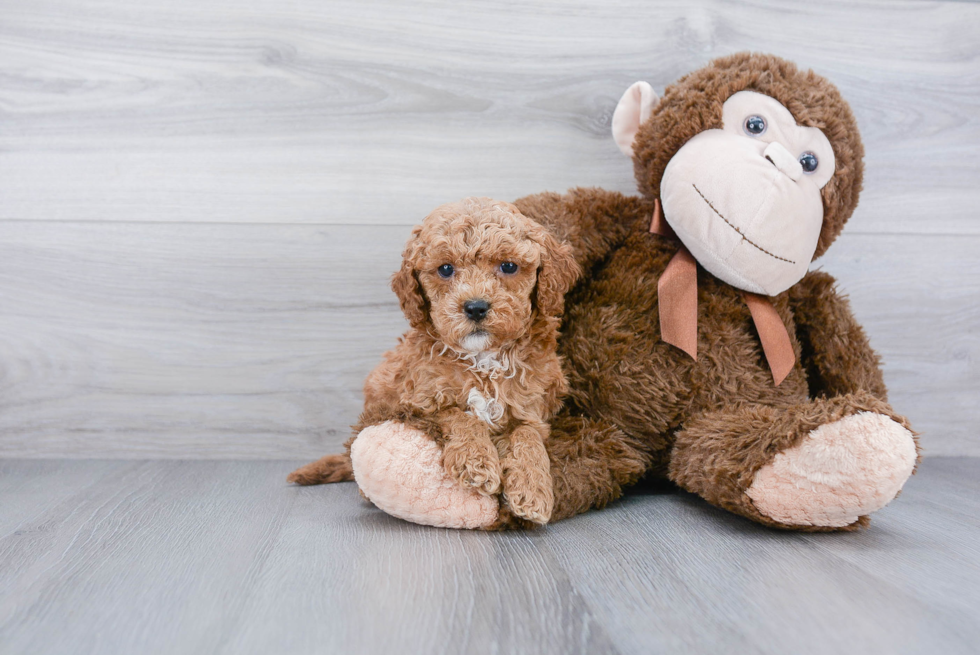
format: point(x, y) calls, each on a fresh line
point(838, 473)
point(400, 470)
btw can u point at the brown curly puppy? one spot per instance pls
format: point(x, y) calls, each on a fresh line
point(482, 287)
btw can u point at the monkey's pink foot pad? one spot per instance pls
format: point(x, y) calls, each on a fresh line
point(838, 473)
point(400, 470)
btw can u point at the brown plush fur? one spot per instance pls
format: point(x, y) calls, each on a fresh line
point(761, 431)
point(710, 424)
point(428, 379)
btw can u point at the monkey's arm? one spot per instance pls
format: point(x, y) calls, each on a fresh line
point(836, 354)
point(593, 221)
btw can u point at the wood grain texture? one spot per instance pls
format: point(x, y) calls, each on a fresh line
point(263, 111)
point(755, 590)
point(29, 489)
point(252, 341)
point(184, 340)
point(223, 557)
point(201, 202)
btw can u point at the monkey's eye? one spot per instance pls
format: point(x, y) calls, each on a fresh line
point(755, 125)
point(445, 271)
point(508, 268)
point(809, 162)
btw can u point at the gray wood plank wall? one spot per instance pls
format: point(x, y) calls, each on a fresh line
point(201, 202)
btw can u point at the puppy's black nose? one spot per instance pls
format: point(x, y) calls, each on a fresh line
point(476, 310)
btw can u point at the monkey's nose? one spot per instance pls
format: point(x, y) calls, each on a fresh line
point(780, 157)
point(476, 310)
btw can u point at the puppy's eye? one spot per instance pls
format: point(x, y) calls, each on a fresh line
point(508, 268)
point(445, 271)
point(755, 125)
point(808, 161)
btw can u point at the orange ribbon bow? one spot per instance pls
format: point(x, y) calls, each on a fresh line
point(678, 293)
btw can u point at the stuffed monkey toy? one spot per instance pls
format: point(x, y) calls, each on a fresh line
point(697, 345)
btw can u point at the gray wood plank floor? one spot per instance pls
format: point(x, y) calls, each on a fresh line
point(223, 557)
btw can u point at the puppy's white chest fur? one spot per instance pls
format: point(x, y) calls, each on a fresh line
point(486, 362)
point(488, 410)
point(488, 366)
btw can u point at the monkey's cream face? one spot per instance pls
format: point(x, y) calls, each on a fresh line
point(745, 199)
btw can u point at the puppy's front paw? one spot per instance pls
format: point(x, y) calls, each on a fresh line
point(528, 489)
point(473, 463)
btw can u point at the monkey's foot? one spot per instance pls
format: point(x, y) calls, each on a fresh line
point(400, 470)
point(840, 472)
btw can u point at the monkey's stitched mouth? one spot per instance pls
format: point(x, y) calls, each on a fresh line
point(740, 233)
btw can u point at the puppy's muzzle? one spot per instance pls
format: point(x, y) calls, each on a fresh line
point(476, 310)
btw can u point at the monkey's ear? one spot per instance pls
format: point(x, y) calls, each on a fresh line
point(634, 107)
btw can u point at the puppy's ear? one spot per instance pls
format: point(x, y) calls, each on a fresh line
point(556, 274)
point(405, 284)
